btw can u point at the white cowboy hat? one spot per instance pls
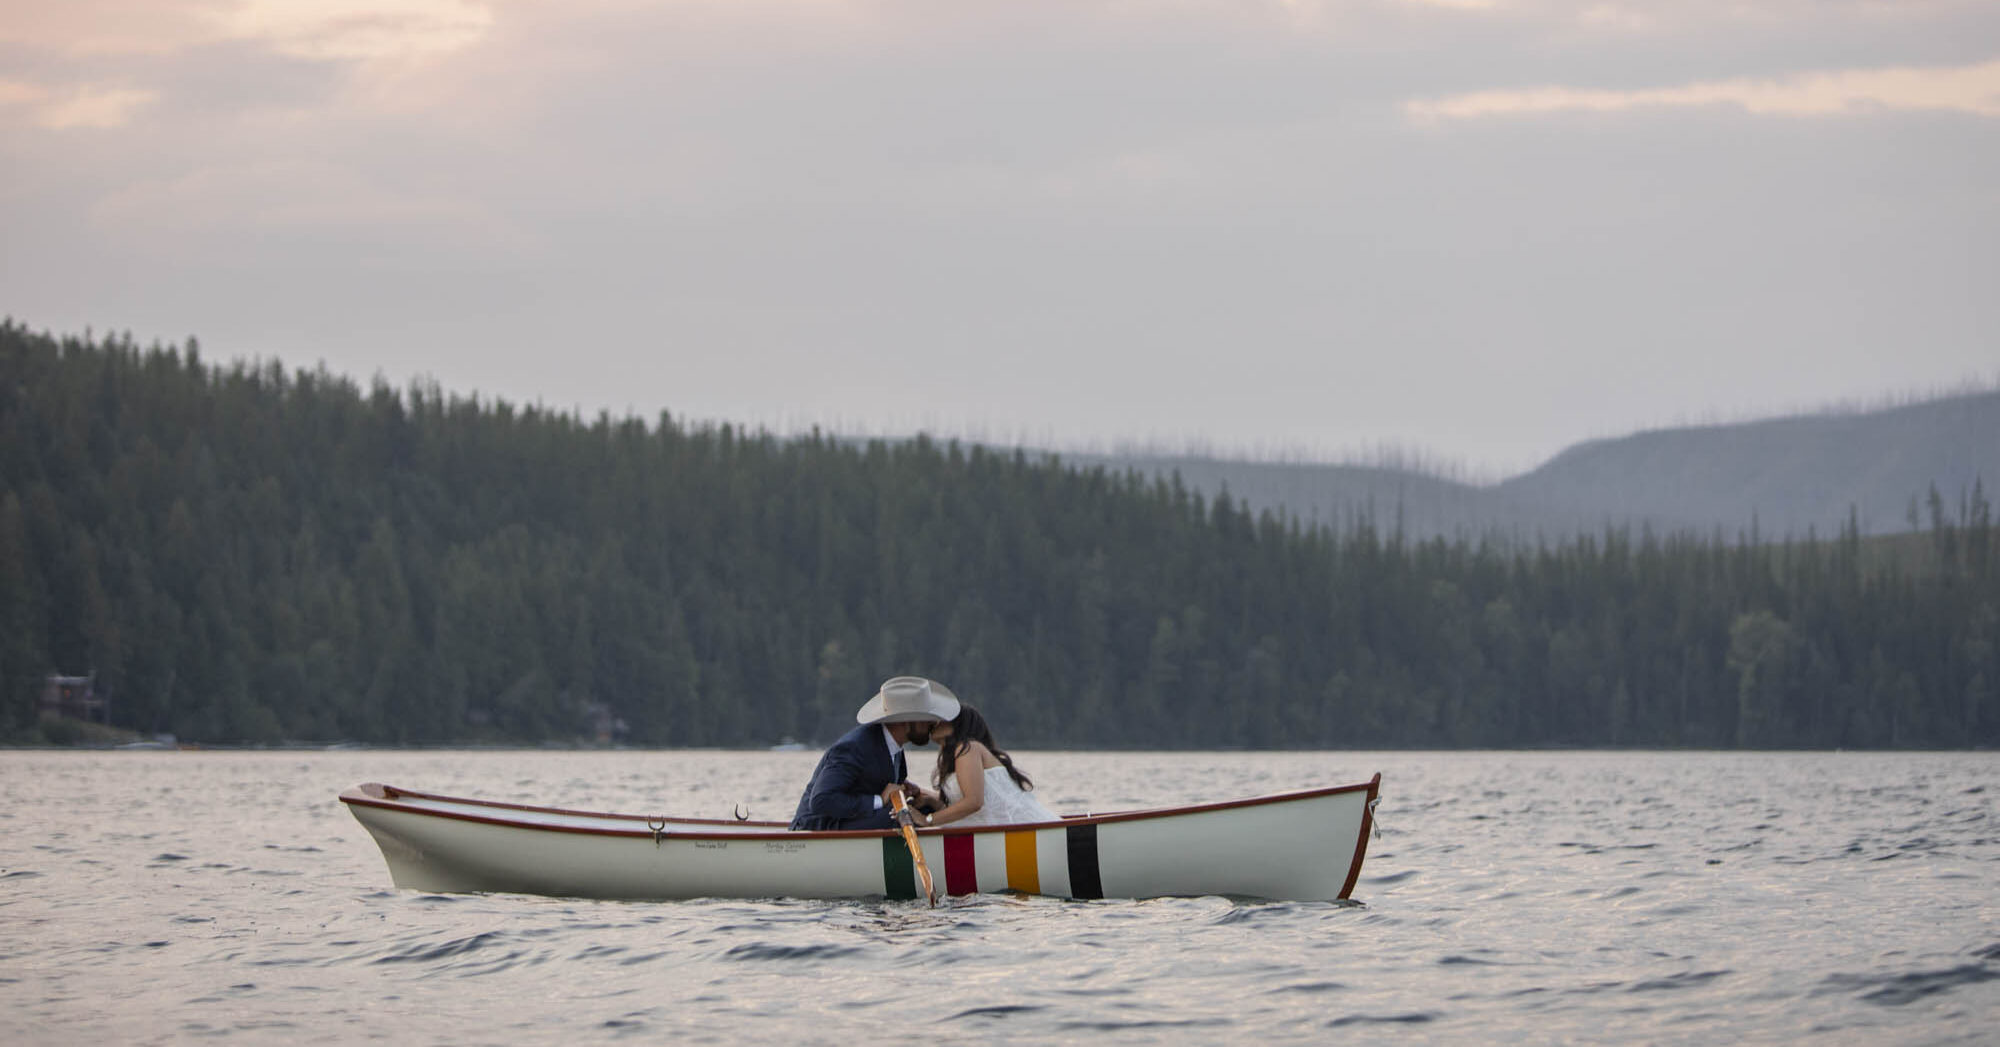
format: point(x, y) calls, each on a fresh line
point(903, 699)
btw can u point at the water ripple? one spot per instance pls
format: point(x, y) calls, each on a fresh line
point(1310, 988)
point(1148, 1023)
point(1895, 990)
point(762, 951)
point(455, 947)
point(1383, 1019)
point(997, 1011)
point(1450, 961)
point(1684, 980)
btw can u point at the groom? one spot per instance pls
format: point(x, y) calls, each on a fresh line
point(850, 788)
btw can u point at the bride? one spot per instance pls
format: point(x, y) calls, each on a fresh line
point(977, 780)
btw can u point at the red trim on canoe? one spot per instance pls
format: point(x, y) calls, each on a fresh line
point(374, 794)
point(1361, 843)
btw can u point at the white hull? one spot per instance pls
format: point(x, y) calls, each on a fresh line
point(1305, 846)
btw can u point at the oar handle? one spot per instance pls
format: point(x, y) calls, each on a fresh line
point(909, 830)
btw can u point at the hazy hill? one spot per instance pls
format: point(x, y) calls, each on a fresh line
point(1342, 495)
point(1792, 473)
point(1786, 474)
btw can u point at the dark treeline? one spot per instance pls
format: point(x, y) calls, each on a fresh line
point(243, 554)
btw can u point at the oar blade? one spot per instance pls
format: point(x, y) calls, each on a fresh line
point(909, 831)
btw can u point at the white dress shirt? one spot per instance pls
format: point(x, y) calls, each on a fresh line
point(895, 752)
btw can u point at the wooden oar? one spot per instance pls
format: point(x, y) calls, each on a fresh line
point(909, 828)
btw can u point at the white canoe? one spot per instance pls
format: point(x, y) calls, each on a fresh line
point(1300, 846)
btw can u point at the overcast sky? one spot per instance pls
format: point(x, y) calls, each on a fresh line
point(1483, 228)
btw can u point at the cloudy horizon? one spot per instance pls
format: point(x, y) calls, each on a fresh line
point(1481, 229)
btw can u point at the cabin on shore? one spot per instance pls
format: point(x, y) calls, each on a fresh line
point(73, 698)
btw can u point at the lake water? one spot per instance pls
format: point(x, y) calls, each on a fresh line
point(1695, 898)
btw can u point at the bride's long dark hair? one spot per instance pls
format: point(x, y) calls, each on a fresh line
point(969, 726)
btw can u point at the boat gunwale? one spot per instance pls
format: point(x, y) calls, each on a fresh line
point(382, 797)
point(380, 791)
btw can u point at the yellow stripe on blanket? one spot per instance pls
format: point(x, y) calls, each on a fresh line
point(1023, 873)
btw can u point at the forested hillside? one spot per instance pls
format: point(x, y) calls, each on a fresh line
point(246, 554)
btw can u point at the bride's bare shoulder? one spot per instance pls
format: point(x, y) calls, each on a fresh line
point(984, 755)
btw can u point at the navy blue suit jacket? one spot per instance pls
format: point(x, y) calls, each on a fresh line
point(850, 775)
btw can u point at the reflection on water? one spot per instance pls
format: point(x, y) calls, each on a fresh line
point(1513, 897)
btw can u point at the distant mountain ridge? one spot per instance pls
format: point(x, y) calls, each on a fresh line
point(1781, 477)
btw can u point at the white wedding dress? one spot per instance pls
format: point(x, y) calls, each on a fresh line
point(1005, 803)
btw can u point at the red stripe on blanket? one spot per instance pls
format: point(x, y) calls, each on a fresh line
point(960, 875)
